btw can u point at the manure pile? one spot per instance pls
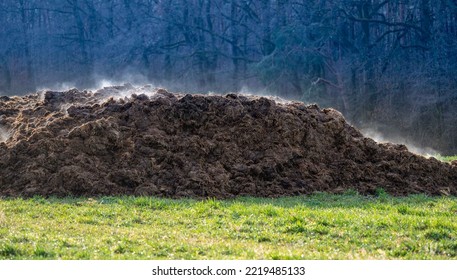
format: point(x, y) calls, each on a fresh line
point(143, 141)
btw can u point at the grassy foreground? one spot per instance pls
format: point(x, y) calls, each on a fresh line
point(321, 226)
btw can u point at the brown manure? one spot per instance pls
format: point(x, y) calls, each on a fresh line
point(142, 141)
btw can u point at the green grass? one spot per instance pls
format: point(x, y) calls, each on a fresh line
point(320, 226)
point(445, 158)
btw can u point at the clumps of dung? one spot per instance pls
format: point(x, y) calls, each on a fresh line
point(127, 140)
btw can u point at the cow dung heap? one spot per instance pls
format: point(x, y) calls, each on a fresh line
point(144, 141)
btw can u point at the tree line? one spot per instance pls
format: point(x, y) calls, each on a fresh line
point(382, 63)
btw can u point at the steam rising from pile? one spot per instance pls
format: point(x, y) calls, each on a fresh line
point(380, 138)
point(147, 141)
point(4, 135)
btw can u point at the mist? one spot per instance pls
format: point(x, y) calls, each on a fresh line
point(4, 135)
point(412, 147)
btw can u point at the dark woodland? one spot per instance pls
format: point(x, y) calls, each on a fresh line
point(388, 66)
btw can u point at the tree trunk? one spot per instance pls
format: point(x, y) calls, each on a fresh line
point(267, 45)
point(426, 22)
point(212, 56)
point(86, 62)
point(234, 43)
point(6, 86)
point(30, 79)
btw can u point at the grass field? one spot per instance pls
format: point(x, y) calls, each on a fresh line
point(320, 226)
point(446, 158)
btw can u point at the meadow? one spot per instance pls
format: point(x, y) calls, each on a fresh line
point(320, 226)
